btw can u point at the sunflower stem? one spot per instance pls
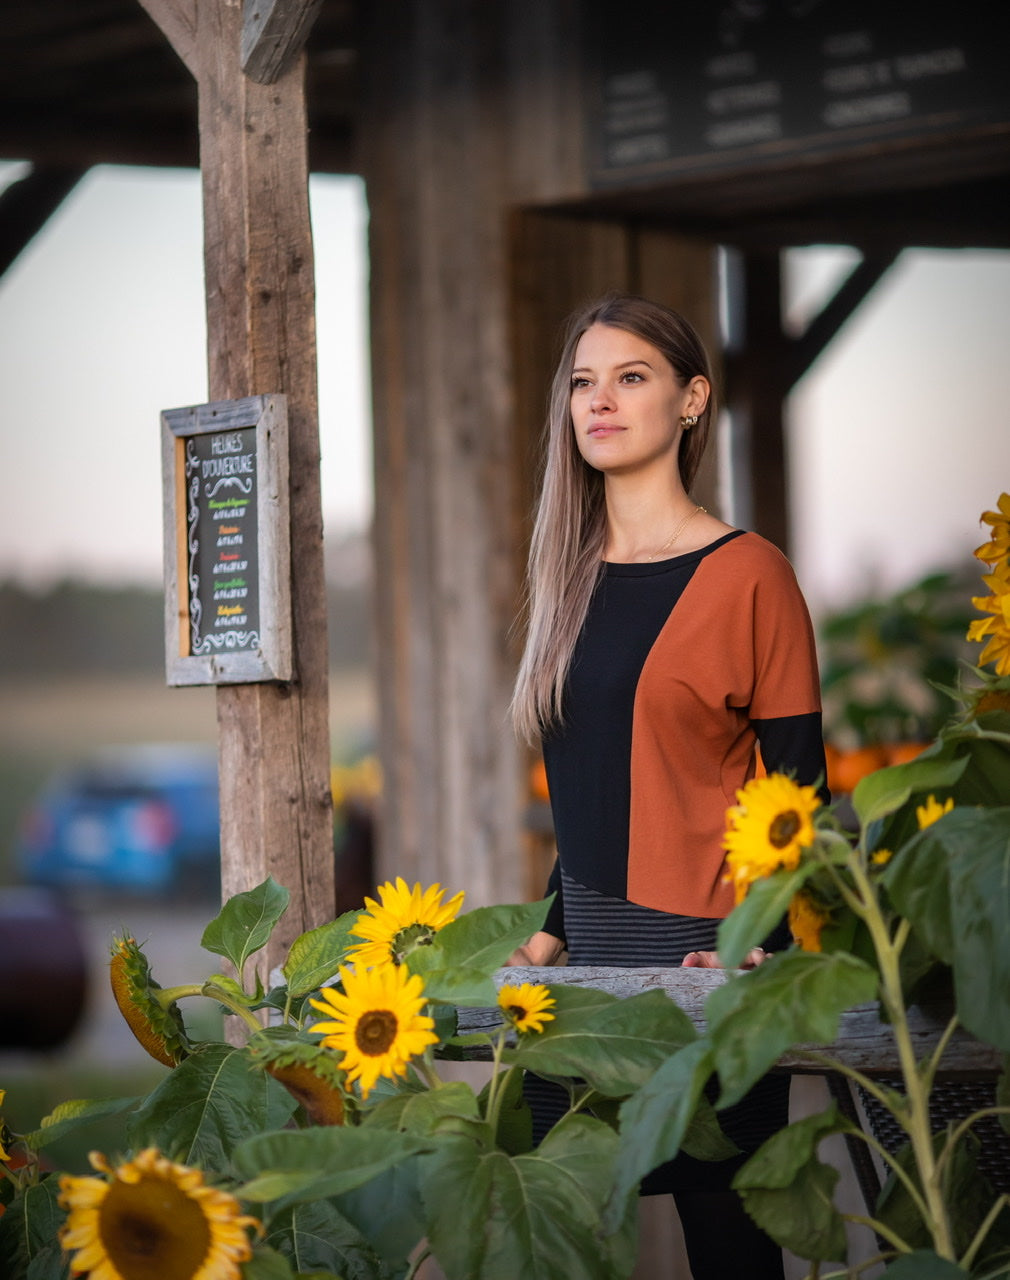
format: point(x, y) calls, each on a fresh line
point(494, 1089)
point(426, 1069)
point(222, 997)
point(167, 996)
point(914, 1115)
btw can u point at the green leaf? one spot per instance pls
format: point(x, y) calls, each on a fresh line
point(752, 920)
point(953, 882)
point(795, 997)
point(965, 1191)
point(421, 1113)
point(918, 885)
point(654, 1121)
point(788, 1191)
point(980, 908)
point(211, 1102)
point(316, 956)
point(246, 922)
point(75, 1114)
point(469, 949)
point(28, 1228)
point(536, 1216)
point(924, 1264)
point(226, 986)
point(614, 1044)
point(515, 1120)
point(317, 1237)
point(388, 1210)
point(886, 790)
point(329, 1161)
point(267, 1264)
point(50, 1263)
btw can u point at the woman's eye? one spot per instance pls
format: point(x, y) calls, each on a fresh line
point(578, 383)
point(631, 376)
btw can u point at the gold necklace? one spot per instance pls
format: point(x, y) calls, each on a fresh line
point(675, 535)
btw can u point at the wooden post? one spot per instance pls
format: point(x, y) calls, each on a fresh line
point(276, 814)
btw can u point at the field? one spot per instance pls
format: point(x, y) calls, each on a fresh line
point(47, 722)
point(44, 724)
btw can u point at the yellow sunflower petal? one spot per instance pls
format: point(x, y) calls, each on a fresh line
point(404, 918)
point(381, 1027)
point(768, 829)
point(932, 811)
point(527, 1007)
point(151, 1217)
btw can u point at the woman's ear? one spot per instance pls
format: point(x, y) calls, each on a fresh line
point(699, 390)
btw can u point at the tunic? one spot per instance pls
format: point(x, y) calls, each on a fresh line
point(684, 668)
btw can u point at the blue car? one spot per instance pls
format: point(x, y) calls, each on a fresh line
point(140, 819)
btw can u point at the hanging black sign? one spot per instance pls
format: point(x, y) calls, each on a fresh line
point(226, 542)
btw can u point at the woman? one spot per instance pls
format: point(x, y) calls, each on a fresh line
point(663, 645)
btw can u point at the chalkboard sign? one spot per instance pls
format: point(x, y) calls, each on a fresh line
point(227, 570)
point(705, 88)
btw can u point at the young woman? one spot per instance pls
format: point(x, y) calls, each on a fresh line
point(662, 647)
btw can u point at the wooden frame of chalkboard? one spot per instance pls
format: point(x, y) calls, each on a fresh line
point(227, 542)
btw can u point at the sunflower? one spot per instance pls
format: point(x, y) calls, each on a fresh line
point(767, 829)
point(932, 811)
point(998, 547)
point(377, 1022)
point(807, 918)
point(996, 628)
point(308, 1072)
point(149, 1218)
point(527, 1007)
point(405, 919)
point(157, 1026)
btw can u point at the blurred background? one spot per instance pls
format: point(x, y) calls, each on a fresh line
point(102, 322)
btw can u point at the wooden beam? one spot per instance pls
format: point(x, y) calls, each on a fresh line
point(757, 383)
point(26, 206)
point(274, 738)
point(852, 292)
point(273, 35)
point(178, 22)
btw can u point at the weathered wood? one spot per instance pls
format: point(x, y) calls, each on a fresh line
point(274, 739)
point(273, 35)
point(863, 1041)
point(178, 22)
point(757, 383)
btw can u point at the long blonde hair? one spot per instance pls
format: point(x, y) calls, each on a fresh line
point(570, 529)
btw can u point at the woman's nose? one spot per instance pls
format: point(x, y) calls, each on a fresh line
point(602, 397)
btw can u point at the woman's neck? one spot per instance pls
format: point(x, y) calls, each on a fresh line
point(644, 521)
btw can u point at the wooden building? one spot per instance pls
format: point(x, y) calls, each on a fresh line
point(519, 157)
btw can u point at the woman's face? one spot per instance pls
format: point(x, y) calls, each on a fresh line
point(627, 402)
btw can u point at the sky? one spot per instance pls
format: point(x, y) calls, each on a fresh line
point(898, 438)
point(102, 326)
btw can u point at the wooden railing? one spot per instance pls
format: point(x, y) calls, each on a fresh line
point(863, 1041)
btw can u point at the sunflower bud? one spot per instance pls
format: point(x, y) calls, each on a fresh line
point(159, 1029)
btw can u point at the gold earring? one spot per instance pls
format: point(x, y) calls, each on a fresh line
point(689, 421)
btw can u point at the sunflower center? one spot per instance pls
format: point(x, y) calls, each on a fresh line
point(516, 1011)
point(376, 1032)
point(784, 828)
point(409, 939)
point(152, 1230)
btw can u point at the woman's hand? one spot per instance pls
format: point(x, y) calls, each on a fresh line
point(710, 959)
point(542, 949)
